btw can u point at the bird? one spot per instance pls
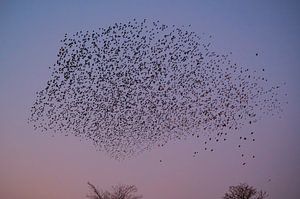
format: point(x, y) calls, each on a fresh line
point(134, 85)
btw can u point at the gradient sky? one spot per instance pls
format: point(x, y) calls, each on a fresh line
point(33, 165)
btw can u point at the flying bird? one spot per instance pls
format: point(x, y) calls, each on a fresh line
point(132, 86)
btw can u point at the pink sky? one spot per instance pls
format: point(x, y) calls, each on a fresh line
point(35, 165)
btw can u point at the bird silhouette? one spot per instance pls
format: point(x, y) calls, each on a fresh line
point(132, 86)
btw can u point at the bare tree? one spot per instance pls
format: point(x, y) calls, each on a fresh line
point(118, 192)
point(244, 191)
point(98, 194)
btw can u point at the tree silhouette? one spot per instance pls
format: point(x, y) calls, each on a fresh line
point(118, 192)
point(244, 191)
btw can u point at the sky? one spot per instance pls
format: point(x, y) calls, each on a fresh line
point(35, 165)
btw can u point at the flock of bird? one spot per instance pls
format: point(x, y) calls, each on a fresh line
point(137, 85)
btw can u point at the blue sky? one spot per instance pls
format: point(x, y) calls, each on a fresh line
point(34, 165)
